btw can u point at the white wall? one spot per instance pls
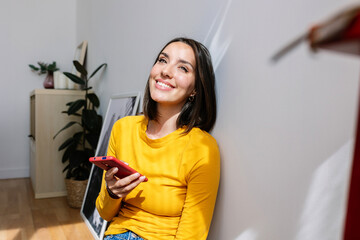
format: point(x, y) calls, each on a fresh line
point(284, 129)
point(31, 31)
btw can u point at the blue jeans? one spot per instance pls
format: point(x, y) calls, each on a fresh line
point(129, 235)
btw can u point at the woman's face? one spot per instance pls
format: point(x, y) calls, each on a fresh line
point(172, 78)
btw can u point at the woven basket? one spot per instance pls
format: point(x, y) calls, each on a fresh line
point(75, 192)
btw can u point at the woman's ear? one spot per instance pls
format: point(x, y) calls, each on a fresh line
point(193, 93)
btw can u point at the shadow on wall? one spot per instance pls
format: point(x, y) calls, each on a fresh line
point(323, 213)
point(324, 210)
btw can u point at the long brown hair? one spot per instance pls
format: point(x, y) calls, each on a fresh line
point(198, 112)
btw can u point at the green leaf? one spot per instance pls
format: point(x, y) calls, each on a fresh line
point(33, 67)
point(90, 153)
point(75, 114)
point(52, 67)
point(66, 168)
point(68, 152)
point(82, 174)
point(42, 65)
point(67, 126)
point(92, 140)
point(77, 158)
point(94, 99)
point(78, 136)
point(97, 130)
point(97, 127)
point(104, 64)
point(74, 78)
point(75, 106)
point(89, 118)
point(80, 68)
point(68, 174)
point(67, 143)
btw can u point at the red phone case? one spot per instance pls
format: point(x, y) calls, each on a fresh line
point(107, 162)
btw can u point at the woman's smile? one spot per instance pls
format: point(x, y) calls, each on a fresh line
point(163, 85)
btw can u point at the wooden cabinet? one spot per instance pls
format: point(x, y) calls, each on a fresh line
point(46, 120)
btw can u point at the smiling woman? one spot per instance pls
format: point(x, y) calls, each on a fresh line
point(171, 146)
point(200, 108)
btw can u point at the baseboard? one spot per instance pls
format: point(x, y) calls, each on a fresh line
point(50, 195)
point(7, 173)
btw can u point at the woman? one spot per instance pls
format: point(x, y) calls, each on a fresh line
point(171, 146)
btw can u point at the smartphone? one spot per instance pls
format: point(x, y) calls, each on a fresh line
point(107, 162)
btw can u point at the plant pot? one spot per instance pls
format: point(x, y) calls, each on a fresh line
point(49, 80)
point(75, 192)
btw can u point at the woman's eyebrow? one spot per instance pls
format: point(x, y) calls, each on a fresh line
point(165, 54)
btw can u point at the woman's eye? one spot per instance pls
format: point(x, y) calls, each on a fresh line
point(161, 60)
point(184, 69)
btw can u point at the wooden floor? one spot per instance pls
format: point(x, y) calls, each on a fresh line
point(23, 217)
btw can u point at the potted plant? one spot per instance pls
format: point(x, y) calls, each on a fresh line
point(46, 68)
point(82, 145)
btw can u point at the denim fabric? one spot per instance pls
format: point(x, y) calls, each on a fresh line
point(124, 236)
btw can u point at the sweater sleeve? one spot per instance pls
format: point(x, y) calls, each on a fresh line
point(107, 206)
point(203, 182)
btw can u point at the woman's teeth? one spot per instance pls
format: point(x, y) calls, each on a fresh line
point(163, 84)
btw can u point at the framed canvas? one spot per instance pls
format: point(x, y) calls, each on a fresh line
point(119, 106)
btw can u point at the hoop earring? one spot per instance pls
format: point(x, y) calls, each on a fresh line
point(191, 98)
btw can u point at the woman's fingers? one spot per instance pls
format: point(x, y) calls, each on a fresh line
point(122, 187)
point(109, 175)
point(131, 182)
point(127, 180)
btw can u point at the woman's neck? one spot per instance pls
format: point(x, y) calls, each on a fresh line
point(165, 123)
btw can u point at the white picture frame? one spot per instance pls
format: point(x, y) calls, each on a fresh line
point(119, 106)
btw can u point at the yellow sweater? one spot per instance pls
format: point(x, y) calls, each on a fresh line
point(183, 171)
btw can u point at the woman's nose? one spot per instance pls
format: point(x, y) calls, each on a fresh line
point(167, 71)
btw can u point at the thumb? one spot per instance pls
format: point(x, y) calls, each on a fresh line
point(109, 175)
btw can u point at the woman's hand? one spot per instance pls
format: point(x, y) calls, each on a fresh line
point(122, 187)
